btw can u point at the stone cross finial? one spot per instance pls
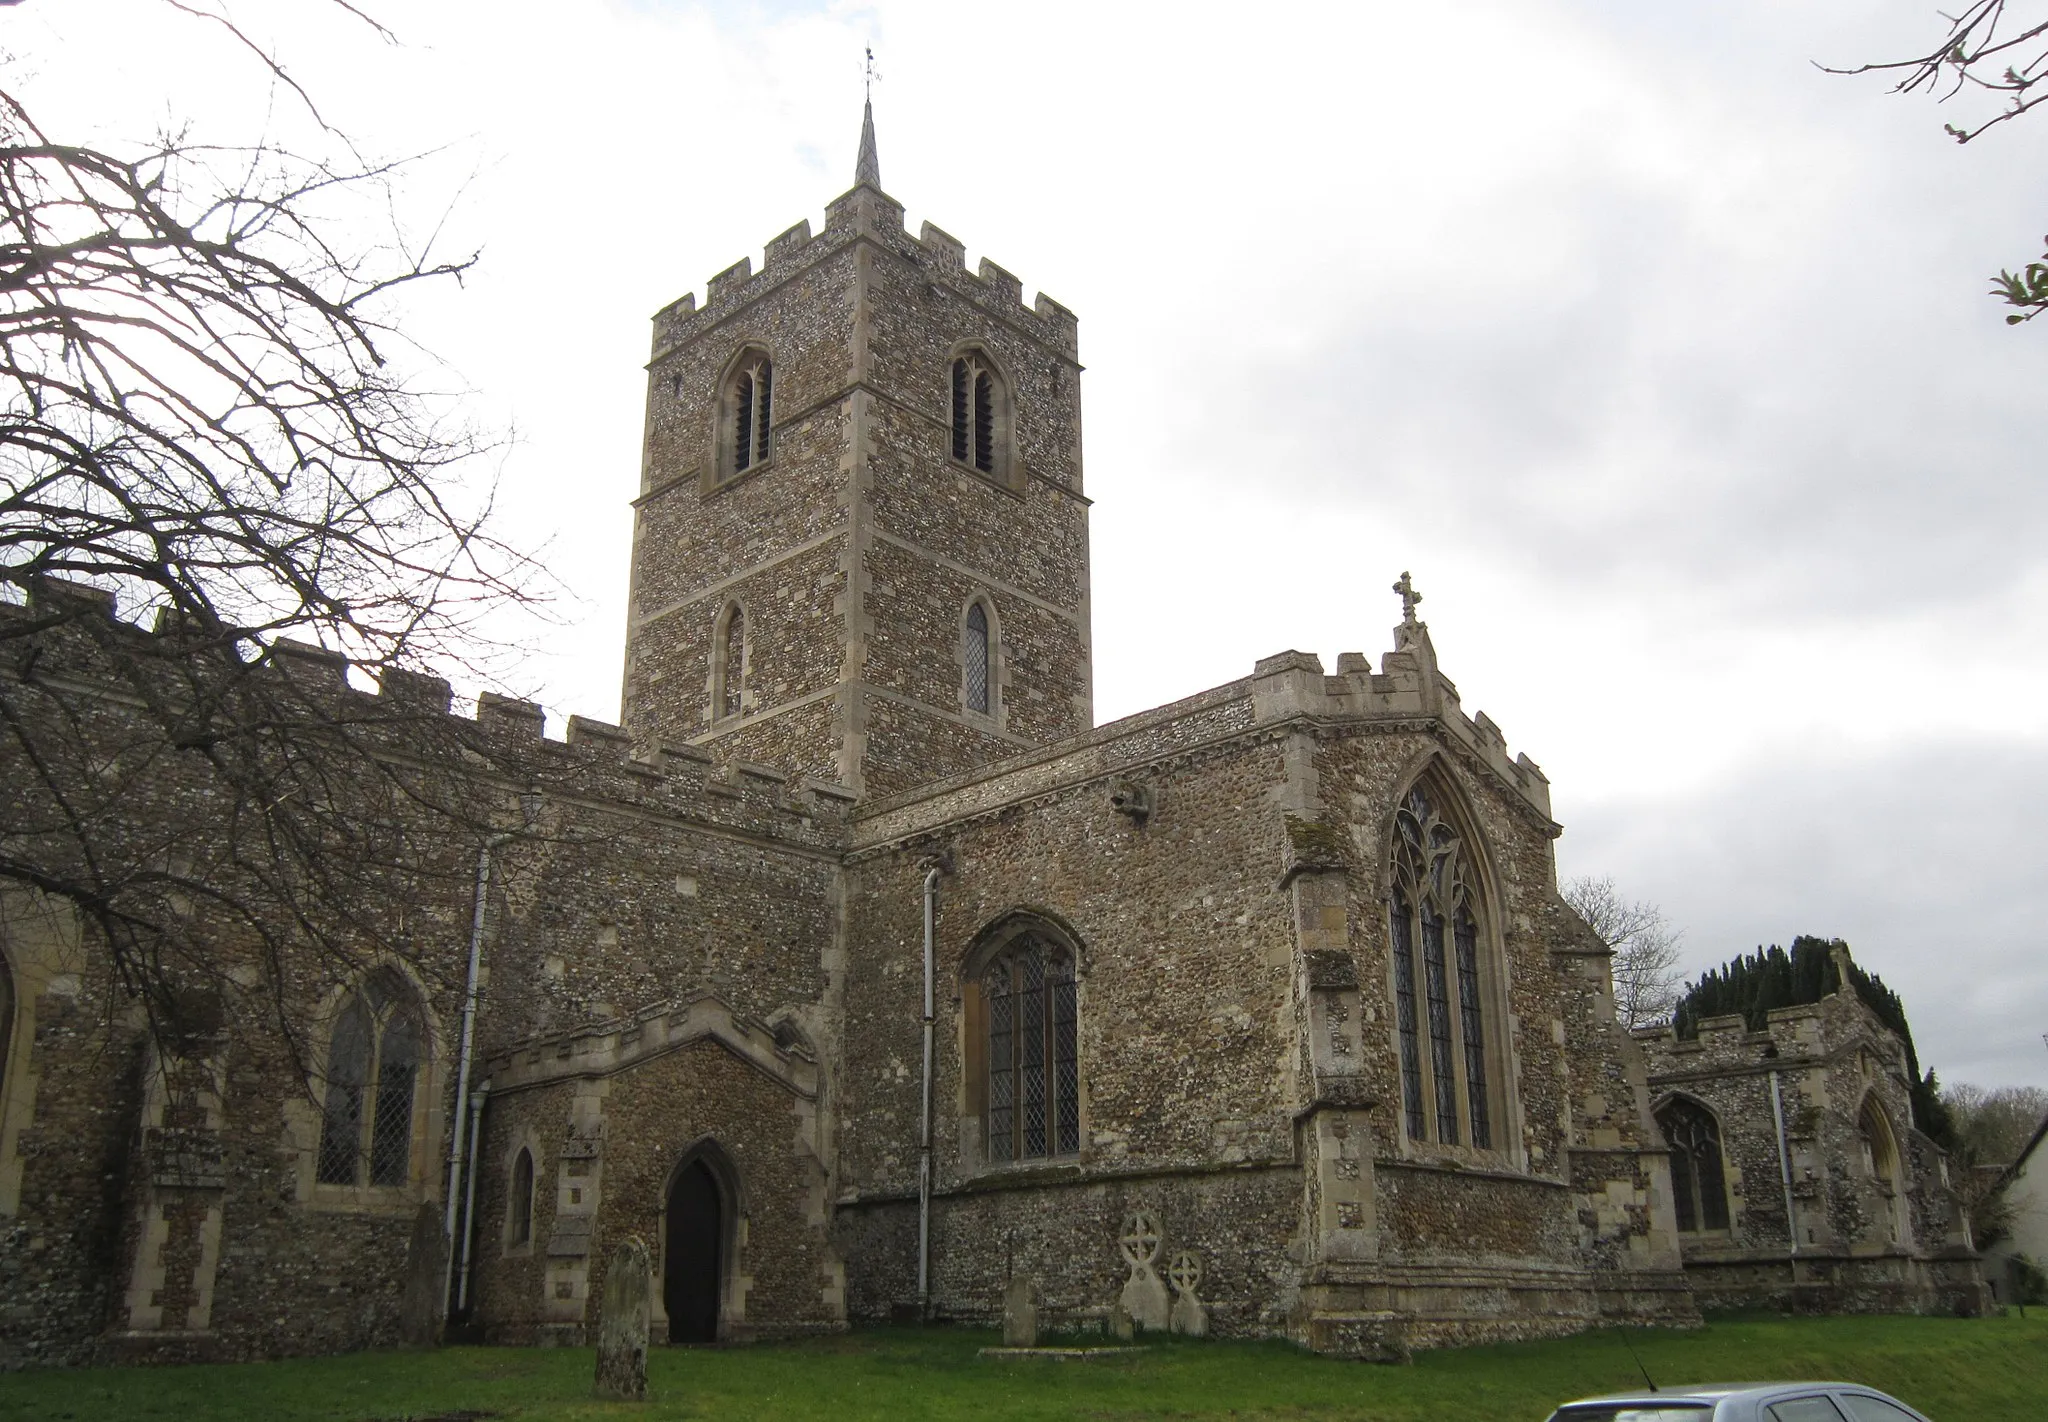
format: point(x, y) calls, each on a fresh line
point(1409, 597)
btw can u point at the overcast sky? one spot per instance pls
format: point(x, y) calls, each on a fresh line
point(1660, 357)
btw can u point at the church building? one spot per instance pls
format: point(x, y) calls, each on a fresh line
point(859, 973)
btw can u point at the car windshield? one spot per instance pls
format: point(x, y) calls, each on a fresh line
point(1634, 1412)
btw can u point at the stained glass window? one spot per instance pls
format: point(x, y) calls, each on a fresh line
point(1435, 936)
point(1697, 1186)
point(974, 653)
point(1034, 1079)
point(373, 1063)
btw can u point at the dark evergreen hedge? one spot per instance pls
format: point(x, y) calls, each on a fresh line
point(1754, 984)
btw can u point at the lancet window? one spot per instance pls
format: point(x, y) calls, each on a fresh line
point(975, 660)
point(1698, 1176)
point(1030, 1050)
point(519, 1204)
point(729, 674)
point(978, 414)
point(749, 405)
point(373, 1064)
point(1439, 995)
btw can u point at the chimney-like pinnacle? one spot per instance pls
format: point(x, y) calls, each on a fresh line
point(867, 168)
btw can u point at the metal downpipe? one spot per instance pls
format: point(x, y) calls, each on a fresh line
point(924, 1142)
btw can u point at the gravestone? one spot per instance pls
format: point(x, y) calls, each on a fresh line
point(426, 1277)
point(1020, 1314)
point(1144, 1296)
point(622, 1325)
point(1190, 1314)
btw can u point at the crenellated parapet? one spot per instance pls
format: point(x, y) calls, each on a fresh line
point(409, 712)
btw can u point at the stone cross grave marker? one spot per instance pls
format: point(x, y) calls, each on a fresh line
point(1190, 1314)
point(622, 1326)
point(1144, 1296)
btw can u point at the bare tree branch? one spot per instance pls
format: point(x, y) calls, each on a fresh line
point(1646, 977)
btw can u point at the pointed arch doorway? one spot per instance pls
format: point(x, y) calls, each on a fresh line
point(695, 1231)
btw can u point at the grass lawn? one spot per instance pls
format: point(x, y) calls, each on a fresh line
point(1955, 1370)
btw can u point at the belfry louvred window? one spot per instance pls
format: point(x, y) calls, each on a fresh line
point(975, 409)
point(1034, 1081)
point(1698, 1184)
point(751, 404)
point(373, 1064)
point(1439, 1013)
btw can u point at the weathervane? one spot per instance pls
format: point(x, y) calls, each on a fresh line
point(1409, 597)
point(869, 74)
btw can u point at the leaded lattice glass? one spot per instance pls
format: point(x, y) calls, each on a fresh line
point(1002, 1066)
point(1445, 1088)
point(1437, 993)
point(1034, 1078)
point(1031, 1051)
point(1404, 1013)
point(348, 1077)
point(373, 1063)
point(1472, 1026)
point(974, 653)
point(1065, 1057)
point(391, 1128)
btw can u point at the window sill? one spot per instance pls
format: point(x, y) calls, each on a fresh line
point(393, 1200)
point(999, 483)
point(716, 484)
point(1046, 1168)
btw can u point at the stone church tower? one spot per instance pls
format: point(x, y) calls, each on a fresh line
point(860, 548)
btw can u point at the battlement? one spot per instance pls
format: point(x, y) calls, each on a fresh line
point(413, 710)
point(865, 212)
point(1407, 684)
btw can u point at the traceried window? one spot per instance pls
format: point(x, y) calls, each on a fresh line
point(1034, 1083)
point(519, 1204)
point(975, 659)
point(1698, 1178)
point(1880, 1159)
point(749, 404)
point(373, 1065)
point(730, 679)
point(979, 414)
point(1439, 999)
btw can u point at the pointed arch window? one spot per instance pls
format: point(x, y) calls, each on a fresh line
point(975, 647)
point(748, 413)
point(1030, 1050)
point(980, 415)
point(519, 1203)
point(1881, 1160)
point(373, 1065)
point(1435, 932)
point(1698, 1176)
point(729, 681)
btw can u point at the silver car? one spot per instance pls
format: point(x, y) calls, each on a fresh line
point(1743, 1402)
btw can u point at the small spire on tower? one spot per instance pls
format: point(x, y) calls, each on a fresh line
point(868, 168)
